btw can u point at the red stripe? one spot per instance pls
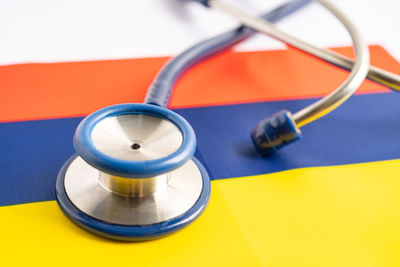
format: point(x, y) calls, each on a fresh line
point(38, 91)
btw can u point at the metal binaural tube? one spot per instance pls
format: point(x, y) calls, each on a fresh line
point(358, 72)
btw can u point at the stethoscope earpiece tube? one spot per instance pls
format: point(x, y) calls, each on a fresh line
point(274, 132)
point(357, 74)
point(160, 90)
point(323, 106)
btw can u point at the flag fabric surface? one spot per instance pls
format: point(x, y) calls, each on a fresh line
point(331, 199)
point(335, 190)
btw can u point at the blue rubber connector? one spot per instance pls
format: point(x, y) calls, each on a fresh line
point(275, 132)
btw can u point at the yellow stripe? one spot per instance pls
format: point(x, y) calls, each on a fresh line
point(330, 216)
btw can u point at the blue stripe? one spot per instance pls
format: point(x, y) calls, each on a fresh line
point(32, 153)
point(366, 128)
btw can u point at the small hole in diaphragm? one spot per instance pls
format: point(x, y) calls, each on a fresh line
point(135, 146)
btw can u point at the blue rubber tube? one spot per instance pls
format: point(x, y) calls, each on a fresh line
point(160, 90)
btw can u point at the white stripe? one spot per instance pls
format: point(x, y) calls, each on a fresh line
point(52, 31)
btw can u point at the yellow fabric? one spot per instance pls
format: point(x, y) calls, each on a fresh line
point(327, 216)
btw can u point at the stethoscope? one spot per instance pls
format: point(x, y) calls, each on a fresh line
point(135, 177)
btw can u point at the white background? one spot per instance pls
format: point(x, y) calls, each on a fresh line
point(72, 30)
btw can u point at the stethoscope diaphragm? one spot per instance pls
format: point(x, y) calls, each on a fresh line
point(134, 177)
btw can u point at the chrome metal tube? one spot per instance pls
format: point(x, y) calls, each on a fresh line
point(359, 68)
point(137, 187)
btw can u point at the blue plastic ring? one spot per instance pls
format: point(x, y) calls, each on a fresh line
point(131, 232)
point(133, 169)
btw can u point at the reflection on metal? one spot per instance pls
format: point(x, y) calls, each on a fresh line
point(137, 187)
point(136, 137)
point(134, 201)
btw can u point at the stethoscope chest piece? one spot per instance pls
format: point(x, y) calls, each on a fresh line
point(135, 176)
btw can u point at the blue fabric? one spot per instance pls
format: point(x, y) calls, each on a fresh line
point(32, 153)
point(365, 128)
